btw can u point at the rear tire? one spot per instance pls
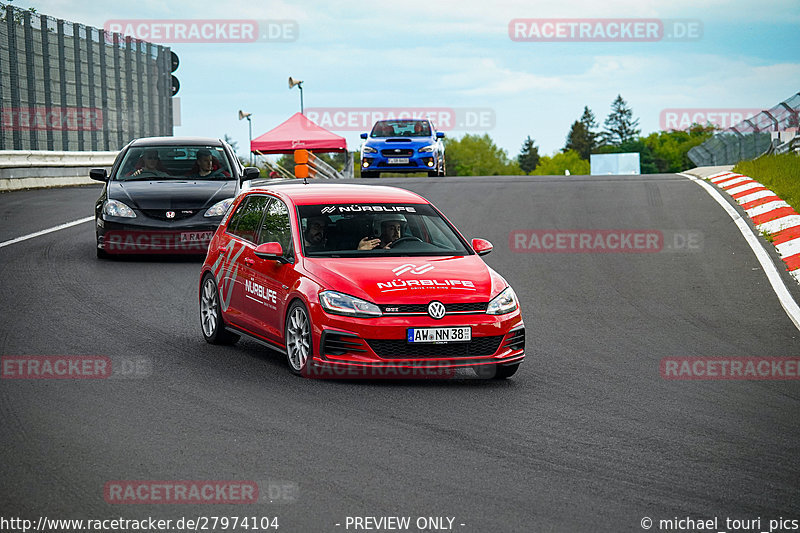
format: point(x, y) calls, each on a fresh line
point(297, 335)
point(211, 321)
point(102, 254)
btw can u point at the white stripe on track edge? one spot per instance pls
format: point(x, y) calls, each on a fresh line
point(774, 277)
point(46, 231)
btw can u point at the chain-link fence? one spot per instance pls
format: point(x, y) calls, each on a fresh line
point(749, 138)
point(66, 86)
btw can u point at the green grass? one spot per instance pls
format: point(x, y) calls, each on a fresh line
point(780, 173)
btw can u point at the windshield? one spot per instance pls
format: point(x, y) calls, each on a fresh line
point(376, 230)
point(174, 162)
point(401, 128)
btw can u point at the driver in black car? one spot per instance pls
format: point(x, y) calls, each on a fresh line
point(151, 165)
point(391, 230)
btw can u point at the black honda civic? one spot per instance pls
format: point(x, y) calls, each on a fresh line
point(166, 195)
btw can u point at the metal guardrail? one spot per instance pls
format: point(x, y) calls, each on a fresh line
point(749, 138)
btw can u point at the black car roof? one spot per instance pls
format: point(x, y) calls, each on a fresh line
point(168, 141)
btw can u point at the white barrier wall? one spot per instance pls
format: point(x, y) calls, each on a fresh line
point(29, 169)
point(616, 164)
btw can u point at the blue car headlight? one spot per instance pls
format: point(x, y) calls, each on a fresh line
point(429, 148)
point(368, 150)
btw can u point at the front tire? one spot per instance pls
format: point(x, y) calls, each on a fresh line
point(297, 333)
point(211, 321)
point(369, 174)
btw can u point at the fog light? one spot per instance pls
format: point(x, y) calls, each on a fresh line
point(365, 163)
point(430, 163)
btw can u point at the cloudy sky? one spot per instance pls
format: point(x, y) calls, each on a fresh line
point(460, 55)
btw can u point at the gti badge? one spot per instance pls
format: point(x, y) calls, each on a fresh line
point(170, 214)
point(436, 309)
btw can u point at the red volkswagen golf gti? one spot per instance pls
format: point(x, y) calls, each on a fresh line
point(356, 280)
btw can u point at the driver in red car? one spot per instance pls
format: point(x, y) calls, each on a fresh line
point(391, 230)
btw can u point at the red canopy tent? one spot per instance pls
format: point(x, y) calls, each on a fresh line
point(298, 132)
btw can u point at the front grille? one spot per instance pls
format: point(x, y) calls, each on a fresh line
point(397, 152)
point(401, 349)
point(516, 341)
point(161, 214)
point(476, 307)
point(339, 344)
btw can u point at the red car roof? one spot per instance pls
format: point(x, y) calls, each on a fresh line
point(328, 193)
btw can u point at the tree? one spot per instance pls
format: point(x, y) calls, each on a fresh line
point(528, 157)
point(557, 164)
point(477, 155)
point(620, 126)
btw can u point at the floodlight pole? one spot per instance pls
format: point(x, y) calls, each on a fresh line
point(250, 148)
point(300, 86)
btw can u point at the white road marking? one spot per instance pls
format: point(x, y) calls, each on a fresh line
point(721, 176)
point(774, 277)
point(789, 248)
point(730, 183)
point(742, 188)
point(46, 231)
point(765, 208)
point(755, 196)
point(780, 224)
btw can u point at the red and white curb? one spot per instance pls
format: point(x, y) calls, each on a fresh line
point(768, 212)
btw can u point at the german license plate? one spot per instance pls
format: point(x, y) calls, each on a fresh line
point(397, 160)
point(439, 335)
point(196, 236)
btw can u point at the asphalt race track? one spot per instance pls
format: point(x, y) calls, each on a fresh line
point(587, 436)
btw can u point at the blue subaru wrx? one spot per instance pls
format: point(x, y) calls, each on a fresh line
point(403, 145)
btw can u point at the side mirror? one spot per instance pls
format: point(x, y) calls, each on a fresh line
point(440, 135)
point(250, 173)
point(271, 251)
point(481, 246)
point(364, 135)
point(98, 174)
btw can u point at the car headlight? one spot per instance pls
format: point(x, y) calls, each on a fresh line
point(342, 304)
point(503, 303)
point(429, 148)
point(369, 150)
point(219, 208)
point(115, 208)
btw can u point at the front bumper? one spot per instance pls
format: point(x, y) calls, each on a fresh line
point(375, 348)
point(143, 235)
point(419, 162)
